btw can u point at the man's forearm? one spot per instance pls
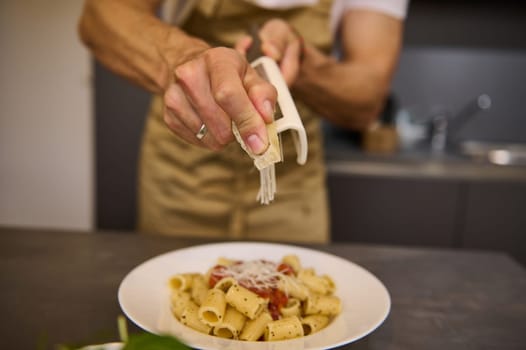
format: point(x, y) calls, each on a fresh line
point(127, 38)
point(347, 94)
point(351, 92)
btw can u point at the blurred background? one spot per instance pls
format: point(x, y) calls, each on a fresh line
point(445, 167)
point(46, 117)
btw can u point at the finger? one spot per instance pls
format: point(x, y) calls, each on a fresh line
point(179, 129)
point(290, 64)
point(271, 50)
point(262, 94)
point(195, 82)
point(243, 44)
point(276, 35)
point(231, 78)
point(181, 118)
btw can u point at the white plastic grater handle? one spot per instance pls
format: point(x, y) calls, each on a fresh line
point(291, 119)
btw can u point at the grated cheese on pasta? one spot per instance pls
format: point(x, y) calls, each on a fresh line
point(258, 274)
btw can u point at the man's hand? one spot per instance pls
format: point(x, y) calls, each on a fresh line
point(201, 85)
point(280, 42)
point(214, 88)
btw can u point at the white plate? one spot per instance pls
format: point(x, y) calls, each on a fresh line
point(144, 295)
point(107, 346)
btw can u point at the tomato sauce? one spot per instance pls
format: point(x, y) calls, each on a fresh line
point(277, 298)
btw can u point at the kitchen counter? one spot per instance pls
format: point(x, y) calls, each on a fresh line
point(61, 287)
point(415, 197)
point(431, 168)
point(344, 156)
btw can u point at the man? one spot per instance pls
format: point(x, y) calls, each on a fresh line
point(199, 182)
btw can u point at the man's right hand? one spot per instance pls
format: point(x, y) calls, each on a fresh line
point(201, 85)
point(214, 88)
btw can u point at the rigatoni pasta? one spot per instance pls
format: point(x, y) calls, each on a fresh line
point(190, 318)
point(247, 302)
point(313, 323)
point(232, 324)
point(182, 281)
point(179, 300)
point(292, 308)
point(285, 328)
point(199, 289)
point(255, 300)
point(254, 329)
point(328, 305)
point(213, 308)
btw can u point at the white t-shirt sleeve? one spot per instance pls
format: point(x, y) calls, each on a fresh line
point(395, 8)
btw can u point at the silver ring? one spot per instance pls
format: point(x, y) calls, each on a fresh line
point(202, 132)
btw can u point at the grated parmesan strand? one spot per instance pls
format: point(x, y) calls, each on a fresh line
point(259, 274)
point(267, 188)
point(265, 163)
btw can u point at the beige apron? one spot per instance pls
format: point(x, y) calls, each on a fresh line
point(189, 191)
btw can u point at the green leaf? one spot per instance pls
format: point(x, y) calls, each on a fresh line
point(148, 341)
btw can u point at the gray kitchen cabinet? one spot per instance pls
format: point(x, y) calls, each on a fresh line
point(389, 210)
point(495, 217)
point(456, 213)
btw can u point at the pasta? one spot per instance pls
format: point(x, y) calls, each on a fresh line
point(232, 324)
point(182, 281)
point(246, 301)
point(190, 318)
point(213, 308)
point(313, 323)
point(179, 300)
point(255, 300)
point(285, 328)
point(255, 328)
point(292, 308)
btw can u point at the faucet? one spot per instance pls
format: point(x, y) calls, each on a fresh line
point(445, 126)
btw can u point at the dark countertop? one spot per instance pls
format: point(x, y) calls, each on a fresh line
point(61, 287)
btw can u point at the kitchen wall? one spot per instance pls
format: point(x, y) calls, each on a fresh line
point(46, 167)
point(456, 50)
point(434, 80)
point(486, 24)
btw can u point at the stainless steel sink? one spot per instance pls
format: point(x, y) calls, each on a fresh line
point(496, 153)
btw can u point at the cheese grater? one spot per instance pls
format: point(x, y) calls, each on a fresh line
point(286, 117)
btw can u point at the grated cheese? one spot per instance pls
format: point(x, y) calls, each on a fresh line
point(258, 274)
point(265, 163)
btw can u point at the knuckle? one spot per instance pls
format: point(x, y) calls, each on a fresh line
point(210, 56)
point(224, 137)
point(224, 93)
point(180, 71)
point(217, 57)
point(186, 71)
point(171, 99)
point(213, 52)
point(264, 90)
point(220, 50)
point(245, 123)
